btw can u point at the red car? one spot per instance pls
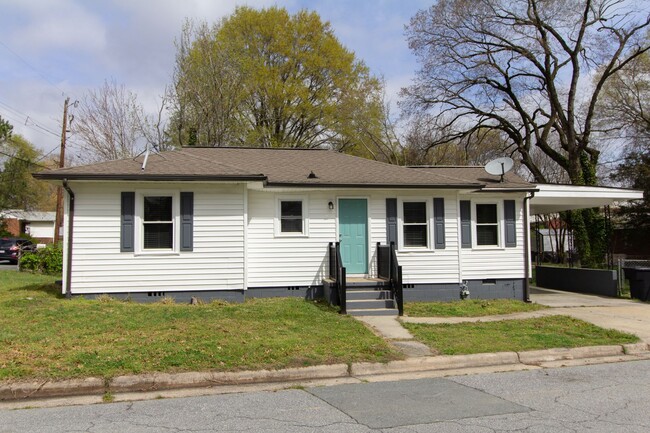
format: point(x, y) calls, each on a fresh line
point(12, 248)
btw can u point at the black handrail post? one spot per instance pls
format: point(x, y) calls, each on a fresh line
point(342, 294)
point(400, 292)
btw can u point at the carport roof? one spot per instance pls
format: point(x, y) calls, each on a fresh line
point(551, 198)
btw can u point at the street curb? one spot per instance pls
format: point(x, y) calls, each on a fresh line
point(426, 363)
point(159, 381)
point(165, 381)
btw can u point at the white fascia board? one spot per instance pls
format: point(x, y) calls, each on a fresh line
point(556, 198)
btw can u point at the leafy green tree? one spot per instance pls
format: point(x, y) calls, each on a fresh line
point(268, 78)
point(516, 66)
point(18, 189)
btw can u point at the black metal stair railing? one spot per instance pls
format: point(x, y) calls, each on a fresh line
point(389, 269)
point(338, 274)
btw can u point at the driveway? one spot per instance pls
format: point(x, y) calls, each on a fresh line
point(6, 266)
point(622, 314)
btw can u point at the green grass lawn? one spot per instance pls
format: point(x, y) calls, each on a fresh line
point(468, 308)
point(45, 336)
point(515, 335)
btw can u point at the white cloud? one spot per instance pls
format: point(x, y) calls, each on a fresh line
point(56, 24)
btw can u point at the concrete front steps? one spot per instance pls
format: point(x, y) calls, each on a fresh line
point(369, 297)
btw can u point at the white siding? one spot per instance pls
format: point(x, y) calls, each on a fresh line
point(216, 262)
point(288, 260)
point(489, 263)
point(433, 265)
point(41, 229)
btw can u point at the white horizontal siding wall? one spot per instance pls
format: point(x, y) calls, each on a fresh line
point(216, 262)
point(288, 261)
point(280, 261)
point(494, 263)
point(432, 265)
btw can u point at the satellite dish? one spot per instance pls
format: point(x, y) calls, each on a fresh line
point(499, 166)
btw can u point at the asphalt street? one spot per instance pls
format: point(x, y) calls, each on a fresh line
point(599, 398)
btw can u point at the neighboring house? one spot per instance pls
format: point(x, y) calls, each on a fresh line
point(249, 222)
point(39, 225)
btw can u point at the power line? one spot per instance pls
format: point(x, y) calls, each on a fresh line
point(23, 160)
point(33, 68)
point(18, 117)
point(29, 125)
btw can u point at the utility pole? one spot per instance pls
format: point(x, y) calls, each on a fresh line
point(59, 191)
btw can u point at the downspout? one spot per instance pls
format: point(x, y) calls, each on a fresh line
point(68, 271)
point(527, 248)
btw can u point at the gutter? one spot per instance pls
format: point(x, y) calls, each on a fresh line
point(68, 270)
point(145, 177)
point(527, 247)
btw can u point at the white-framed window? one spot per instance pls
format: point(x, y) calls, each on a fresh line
point(157, 215)
point(487, 224)
point(291, 217)
point(415, 224)
point(158, 222)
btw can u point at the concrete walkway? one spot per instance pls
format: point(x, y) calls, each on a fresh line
point(392, 330)
point(611, 313)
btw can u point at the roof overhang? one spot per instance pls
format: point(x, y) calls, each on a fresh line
point(552, 198)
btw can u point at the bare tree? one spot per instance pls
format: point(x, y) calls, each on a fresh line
point(515, 66)
point(520, 67)
point(107, 124)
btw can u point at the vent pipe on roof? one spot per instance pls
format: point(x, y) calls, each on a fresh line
point(312, 175)
point(146, 157)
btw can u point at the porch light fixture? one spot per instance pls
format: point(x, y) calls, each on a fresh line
point(330, 205)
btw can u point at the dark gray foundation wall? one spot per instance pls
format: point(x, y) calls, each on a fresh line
point(305, 292)
point(478, 289)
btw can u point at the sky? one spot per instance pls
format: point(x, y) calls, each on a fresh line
point(53, 49)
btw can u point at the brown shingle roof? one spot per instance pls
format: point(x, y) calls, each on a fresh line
point(478, 174)
point(278, 167)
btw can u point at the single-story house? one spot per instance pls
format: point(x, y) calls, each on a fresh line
point(39, 225)
point(255, 222)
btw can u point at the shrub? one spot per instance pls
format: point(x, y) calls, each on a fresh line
point(48, 260)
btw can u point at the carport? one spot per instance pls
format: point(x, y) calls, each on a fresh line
point(553, 198)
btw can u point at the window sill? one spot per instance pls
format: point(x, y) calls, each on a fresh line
point(415, 250)
point(156, 253)
point(488, 248)
point(291, 235)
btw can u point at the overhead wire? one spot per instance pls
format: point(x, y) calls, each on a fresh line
point(28, 117)
point(47, 80)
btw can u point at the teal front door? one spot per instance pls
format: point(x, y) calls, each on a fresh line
point(353, 234)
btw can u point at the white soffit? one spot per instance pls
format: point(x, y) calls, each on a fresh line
point(555, 198)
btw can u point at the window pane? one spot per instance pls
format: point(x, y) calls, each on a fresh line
point(157, 208)
point(486, 213)
point(291, 225)
point(415, 236)
point(486, 235)
point(158, 236)
point(291, 208)
point(415, 212)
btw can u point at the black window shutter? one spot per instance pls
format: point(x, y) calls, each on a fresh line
point(187, 221)
point(391, 220)
point(127, 222)
point(465, 224)
point(439, 223)
point(511, 232)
